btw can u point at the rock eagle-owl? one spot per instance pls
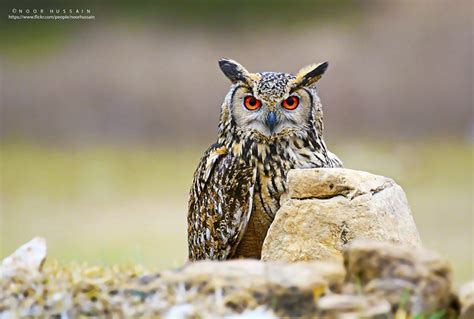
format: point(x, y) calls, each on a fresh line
point(269, 123)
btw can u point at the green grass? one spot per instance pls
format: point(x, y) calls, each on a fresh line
point(128, 204)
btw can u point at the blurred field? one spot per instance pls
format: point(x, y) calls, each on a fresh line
point(128, 204)
point(396, 69)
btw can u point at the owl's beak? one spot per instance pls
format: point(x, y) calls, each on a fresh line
point(271, 121)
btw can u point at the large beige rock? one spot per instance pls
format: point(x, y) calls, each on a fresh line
point(327, 208)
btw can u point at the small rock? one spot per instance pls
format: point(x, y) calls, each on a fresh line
point(327, 208)
point(466, 297)
point(182, 311)
point(259, 312)
point(417, 277)
point(27, 258)
point(353, 306)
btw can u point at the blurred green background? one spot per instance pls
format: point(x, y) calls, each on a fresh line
point(103, 121)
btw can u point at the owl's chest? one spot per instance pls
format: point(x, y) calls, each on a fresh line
point(271, 175)
point(269, 185)
point(272, 163)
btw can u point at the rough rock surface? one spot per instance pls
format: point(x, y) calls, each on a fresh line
point(327, 208)
point(418, 276)
point(361, 287)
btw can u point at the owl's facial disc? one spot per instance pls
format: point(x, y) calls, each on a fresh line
point(269, 103)
point(270, 115)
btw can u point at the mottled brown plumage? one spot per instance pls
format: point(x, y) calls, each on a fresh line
point(262, 135)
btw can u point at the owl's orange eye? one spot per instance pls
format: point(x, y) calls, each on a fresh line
point(252, 103)
point(291, 102)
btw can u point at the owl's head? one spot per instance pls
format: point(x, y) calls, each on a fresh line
point(271, 104)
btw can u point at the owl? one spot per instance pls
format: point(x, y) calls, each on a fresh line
point(269, 124)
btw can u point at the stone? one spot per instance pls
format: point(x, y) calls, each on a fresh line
point(416, 277)
point(28, 258)
point(288, 290)
point(327, 208)
point(353, 306)
point(466, 298)
point(310, 274)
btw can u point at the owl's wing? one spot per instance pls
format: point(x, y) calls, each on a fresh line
point(335, 161)
point(220, 205)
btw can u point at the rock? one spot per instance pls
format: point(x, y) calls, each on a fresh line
point(311, 275)
point(376, 280)
point(353, 306)
point(28, 258)
point(415, 277)
point(327, 208)
point(248, 284)
point(466, 298)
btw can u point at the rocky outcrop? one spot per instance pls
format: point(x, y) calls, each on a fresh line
point(375, 281)
point(325, 209)
point(343, 245)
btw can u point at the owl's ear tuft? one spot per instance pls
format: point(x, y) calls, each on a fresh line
point(234, 71)
point(310, 74)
